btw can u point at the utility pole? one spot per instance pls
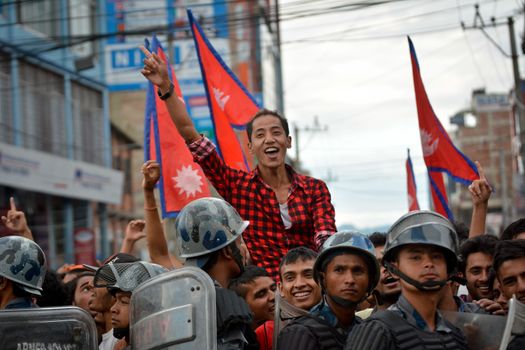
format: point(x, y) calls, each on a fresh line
point(515, 68)
point(315, 128)
point(517, 90)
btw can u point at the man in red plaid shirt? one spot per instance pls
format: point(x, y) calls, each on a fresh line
point(285, 209)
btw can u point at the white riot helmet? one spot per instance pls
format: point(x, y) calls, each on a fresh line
point(205, 226)
point(23, 262)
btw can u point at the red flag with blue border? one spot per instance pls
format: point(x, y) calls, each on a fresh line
point(182, 180)
point(413, 203)
point(439, 194)
point(231, 105)
point(439, 153)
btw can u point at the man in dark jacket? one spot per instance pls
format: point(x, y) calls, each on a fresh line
point(347, 271)
point(421, 251)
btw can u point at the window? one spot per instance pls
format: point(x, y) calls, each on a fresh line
point(42, 110)
point(88, 125)
point(40, 15)
point(6, 116)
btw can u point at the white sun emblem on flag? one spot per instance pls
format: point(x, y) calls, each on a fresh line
point(188, 181)
point(429, 144)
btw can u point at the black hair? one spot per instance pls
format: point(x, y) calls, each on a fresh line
point(508, 250)
point(491, 278)
point(485, 244)
point(54, 291)
point(263, 112)
point(462, 231)
point(238, 285)
point(378, 239)
point(514, 229)
point(295, 254)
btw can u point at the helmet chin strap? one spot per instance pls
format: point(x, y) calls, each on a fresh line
point(427, 286)
point(237, 256)
point(342, 302)
point(120, 333)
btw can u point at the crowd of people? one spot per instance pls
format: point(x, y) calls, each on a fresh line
point(283, 277)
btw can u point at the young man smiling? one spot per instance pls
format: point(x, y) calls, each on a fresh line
point(421, 251)
point(297, 285)
point(285, 209)
point(258, 290)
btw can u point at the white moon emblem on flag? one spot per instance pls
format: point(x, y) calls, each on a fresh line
point(429, 145)
point(188, 181)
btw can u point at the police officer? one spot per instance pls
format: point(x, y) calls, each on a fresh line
point(22, 271)
point(209, 236)
point(421, 251)
point(347, 271)
point(121, 279)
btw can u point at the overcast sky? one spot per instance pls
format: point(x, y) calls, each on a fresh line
point(352, 70)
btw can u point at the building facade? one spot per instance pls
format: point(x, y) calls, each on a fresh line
point(486, 133)
point(55, 135)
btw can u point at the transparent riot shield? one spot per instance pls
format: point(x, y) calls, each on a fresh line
point(483, 332)
point(57, 328)
point(284, 313)
point(515, 322)
point(175, 310)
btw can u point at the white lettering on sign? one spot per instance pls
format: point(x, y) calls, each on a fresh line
point(44, 346)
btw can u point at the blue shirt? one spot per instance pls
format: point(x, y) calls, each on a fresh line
point(20, 303)
point(409, 313)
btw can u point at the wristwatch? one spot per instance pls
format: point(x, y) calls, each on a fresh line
point(167, 94)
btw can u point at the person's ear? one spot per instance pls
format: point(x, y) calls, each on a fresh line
point(288, 141)
point(227, 253)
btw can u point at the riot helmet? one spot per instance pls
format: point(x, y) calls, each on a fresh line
point(351, 242)
point(207, 225)
point(23, 262)
point(425, 228)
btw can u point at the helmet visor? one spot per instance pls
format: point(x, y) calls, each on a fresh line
point(438, 235)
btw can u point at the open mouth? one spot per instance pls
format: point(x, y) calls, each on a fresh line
point(302, 295)
point(271, 150)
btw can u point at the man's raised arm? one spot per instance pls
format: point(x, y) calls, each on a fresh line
point(156, 71)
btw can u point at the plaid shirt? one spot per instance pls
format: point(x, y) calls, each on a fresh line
point(309, 207)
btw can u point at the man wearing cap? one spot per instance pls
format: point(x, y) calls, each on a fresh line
point(421, 251)
point(347, 271)
point(101, 301)
point(121, 279)
point(22, 271)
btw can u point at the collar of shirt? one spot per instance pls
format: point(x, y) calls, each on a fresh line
point(20, 303)
point(409, 313)
point(324, 312)
point(297, 180)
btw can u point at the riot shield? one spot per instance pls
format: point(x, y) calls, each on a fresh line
point(284, 313)
point(175, 310)
point(515, 322)
point(483, 332)
point(57, 328)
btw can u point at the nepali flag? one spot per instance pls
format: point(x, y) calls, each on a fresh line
point(413, 204)
point(182, 180)
point(439, 194)
point(439, 153)
point(231, 105)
